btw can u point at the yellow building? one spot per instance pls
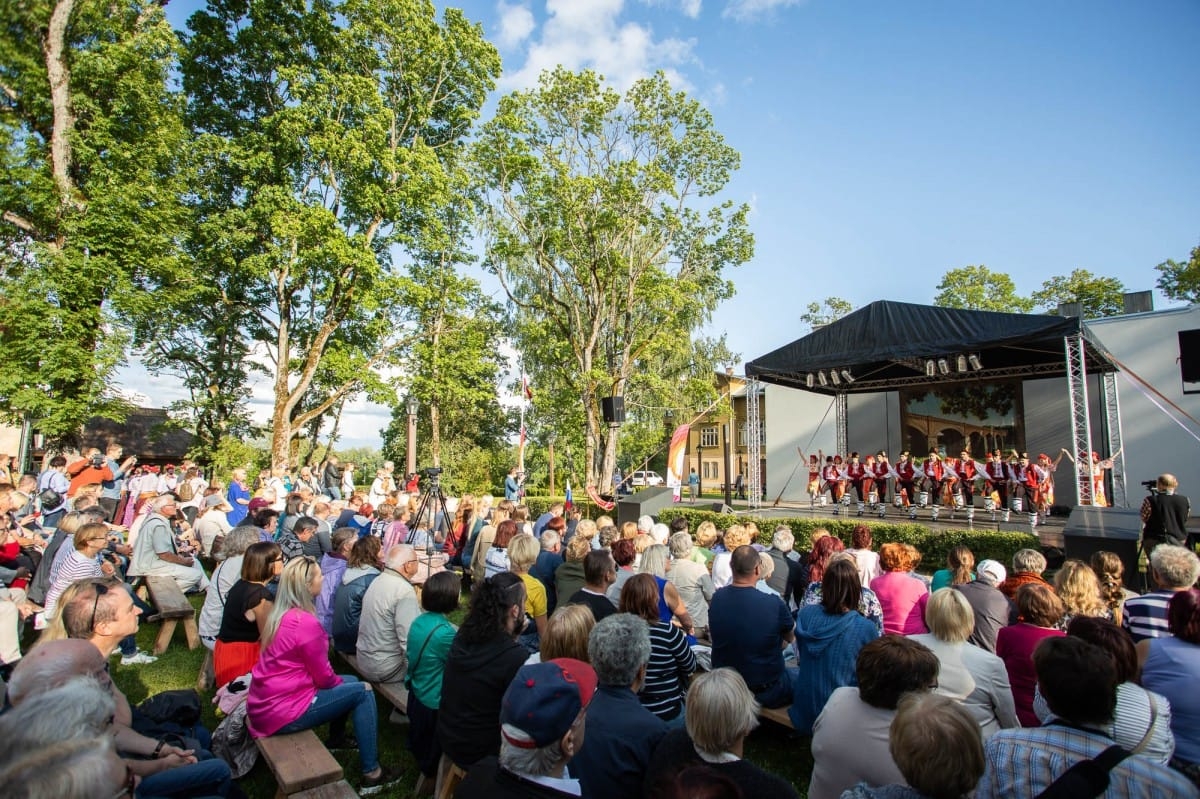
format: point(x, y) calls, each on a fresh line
point(709, 435)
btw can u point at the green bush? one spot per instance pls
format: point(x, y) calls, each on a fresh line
point(933, 545)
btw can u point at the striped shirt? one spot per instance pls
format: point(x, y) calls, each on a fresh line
point(671, 663)
point(1146, 616)
point(75, 566)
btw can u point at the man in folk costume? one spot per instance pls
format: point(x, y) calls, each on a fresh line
point(906, 476)
point(967, 471)
point(856, 472)
point(831, 479)
point(934, 473)
point(1033, 481)
point(882, 470)
point(996, 471)
point(1022, 484)
point(1045, 489)
point(814, 477)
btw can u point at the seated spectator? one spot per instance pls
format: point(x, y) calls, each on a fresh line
point(936, 745)
point(721, 712)
point(567, 634)
point(226, 574)
point(960, 569)
point(389, 608)
point(1171, 668)
point(722, 567)
point(362, 567)
point(1077, 587)
point(294, 686)
point(213, 524)
point(1079, 683)
point(788, 578)
point(901, 596)
point(624, 553)
point(864, 557)
point(991, 608)
point(569, 577)
point(1172, 569)
point(542, 719)
point(655, 562)
point(850, 737)
point(292, 541)
point(621, 733)
point(671, 661)
point(691, 581)
point(429, 640)
point(548, 560)
point(83, 560)
point(829, 637)
point(706, 539)
point(600, 574)
point(156, 553)
point(1038, 610)
point(1110, 571)
point(868, 603)
point(482, 661)
point(247, 606)
point(496, 560)
point(967, 673)
point(749, 630)
point(333, 569)
point(522, 554)
point(1028, 565)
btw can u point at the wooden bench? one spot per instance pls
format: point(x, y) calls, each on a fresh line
point(779, 715)
point(398, 697)
point(172, 607)
point(334, 790)
point(448, 777)
point(301, 763)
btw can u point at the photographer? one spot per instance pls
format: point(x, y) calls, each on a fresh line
point(88, 470)
point(1165, 514)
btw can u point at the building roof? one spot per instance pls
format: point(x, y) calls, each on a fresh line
point(148, 433)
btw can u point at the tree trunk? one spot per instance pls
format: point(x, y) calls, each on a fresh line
point(55, 49)
point(435, 435)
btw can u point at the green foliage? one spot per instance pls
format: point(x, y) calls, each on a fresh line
point(1097, 296)
point(232, 452)
point(1181, 281)
point(822, 313)
point(933, 545)
point(978, 288)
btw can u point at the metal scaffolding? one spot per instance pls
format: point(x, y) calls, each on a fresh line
point(1081, 427)
point(754, 437)
point(843, 415)
point(1112, 419)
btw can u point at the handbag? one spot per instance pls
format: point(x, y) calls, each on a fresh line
point(50, 499)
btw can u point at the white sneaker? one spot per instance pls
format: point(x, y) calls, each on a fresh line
point(138, 658)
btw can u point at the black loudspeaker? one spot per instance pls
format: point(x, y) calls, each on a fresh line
point(613, 409)
point(721, 507)
point(1092, 529)
point(1189, 355)
point(647, 502)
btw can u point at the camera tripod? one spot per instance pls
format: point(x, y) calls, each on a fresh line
point(431, 503)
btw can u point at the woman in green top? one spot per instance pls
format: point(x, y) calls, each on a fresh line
point(429, 641)
point(961, 563)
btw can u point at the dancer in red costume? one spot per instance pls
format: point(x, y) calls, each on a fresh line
point(882, 470)
point(906, 476)
point(856, 473)
point(933, 473)
point(996, 471)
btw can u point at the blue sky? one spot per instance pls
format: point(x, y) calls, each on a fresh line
point(886, 143)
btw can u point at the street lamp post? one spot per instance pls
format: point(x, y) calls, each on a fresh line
point(550, 437)
point(700, 470)
point(411, 459)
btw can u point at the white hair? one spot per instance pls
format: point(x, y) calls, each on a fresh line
point(660, 533)
point(399, 555)
point(645, 523)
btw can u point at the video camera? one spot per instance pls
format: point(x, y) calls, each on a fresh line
point(1150, 485)
point(434, 471)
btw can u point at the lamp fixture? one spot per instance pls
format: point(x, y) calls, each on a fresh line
point(943, 366)
point(833, 375)
point(962, 363)
point(976, 364)
point(930, 368)
point(824, 380)
point(849, 378)
point(808, 379)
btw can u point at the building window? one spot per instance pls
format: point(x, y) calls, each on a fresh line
point(708, 437)
point(742, 434)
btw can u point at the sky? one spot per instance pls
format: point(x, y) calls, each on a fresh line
point(885, 143)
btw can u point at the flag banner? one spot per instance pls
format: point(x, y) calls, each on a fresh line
point(675, 455)
point(525, 388)
point(569, 501)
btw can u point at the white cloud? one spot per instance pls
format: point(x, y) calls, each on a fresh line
point(588, 34)
point(751, 9)
point(690, 8)
point(514, 22)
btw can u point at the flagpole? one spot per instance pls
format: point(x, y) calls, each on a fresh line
point(524, 402)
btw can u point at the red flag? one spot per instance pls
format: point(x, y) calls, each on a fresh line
point(525, 388)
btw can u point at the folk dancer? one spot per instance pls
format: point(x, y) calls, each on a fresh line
point(882, 470)
point(968, 470)
point(933, 473)
point(831, 476)
point(1045, 489)
point(814, 477)
point(996, 472)
point(906, 477)
point(856, 472)
point(1096, 470)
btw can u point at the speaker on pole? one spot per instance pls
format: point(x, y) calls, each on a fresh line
point(613, 409)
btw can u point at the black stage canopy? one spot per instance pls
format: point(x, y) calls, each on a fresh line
point(887, 345)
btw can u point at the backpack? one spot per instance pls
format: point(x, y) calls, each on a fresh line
point(186, 491)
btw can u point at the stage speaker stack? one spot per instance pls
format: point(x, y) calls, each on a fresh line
point(647, 502)
point(1092, 529)
point(721, 507)
point(613, 409)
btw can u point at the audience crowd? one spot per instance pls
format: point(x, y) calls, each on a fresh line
point(593, 660)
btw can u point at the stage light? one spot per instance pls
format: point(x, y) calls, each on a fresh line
point(849, 378)
point(930, 368)
point(943, 366)
point(833, 375)
point(975, 362)
point(962, 363)
point(808, 380)
point(824, 380)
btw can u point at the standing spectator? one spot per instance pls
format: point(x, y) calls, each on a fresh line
point(850, 741)
point(829, 637)
point(1165, 515)
point(294, 686)
point(693, 486)
point(238, 495)
point(362, 567)
point(1038, 610)
point(333, 568)
point(389, 608)
point(992, 611)
point(749, 629)
point(1028, 565)
point(1077, 587)
point(110, 489)
point(512, 486)
point(600, 574)
point(960, 569)
point(190, 492)
point(1173, 569)
point(902, 597)
point(429, 640)
point(1079, 683)
point(967, 673)
point(671, 661)
point(91, 469)
point(621, 733)
point(692, 581)
point(331, 478)
point(867, 560)
point(1171, 667)
point(483, 659)
point(244, 618)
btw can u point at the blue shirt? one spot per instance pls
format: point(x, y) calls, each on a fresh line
point(512, 489)
point(748, 629)
point(620, 738)
point(111, 489)
point(239, 511)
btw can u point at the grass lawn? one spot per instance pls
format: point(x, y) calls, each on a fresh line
point(769, 747)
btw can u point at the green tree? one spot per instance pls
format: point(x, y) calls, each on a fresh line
point(978, 288)
point(822, 313)
point(1181, 281)
point(605, 229)
point(90, 139)
point(325, 132)
point(1097, 296)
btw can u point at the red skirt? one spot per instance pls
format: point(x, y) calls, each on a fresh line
point(232, 660)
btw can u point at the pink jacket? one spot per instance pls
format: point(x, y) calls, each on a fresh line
point(903, 598)
point(289, 672)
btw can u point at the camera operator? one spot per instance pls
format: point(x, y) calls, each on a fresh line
point(1165, 515)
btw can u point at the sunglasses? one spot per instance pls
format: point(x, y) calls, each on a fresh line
point(101, 590)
